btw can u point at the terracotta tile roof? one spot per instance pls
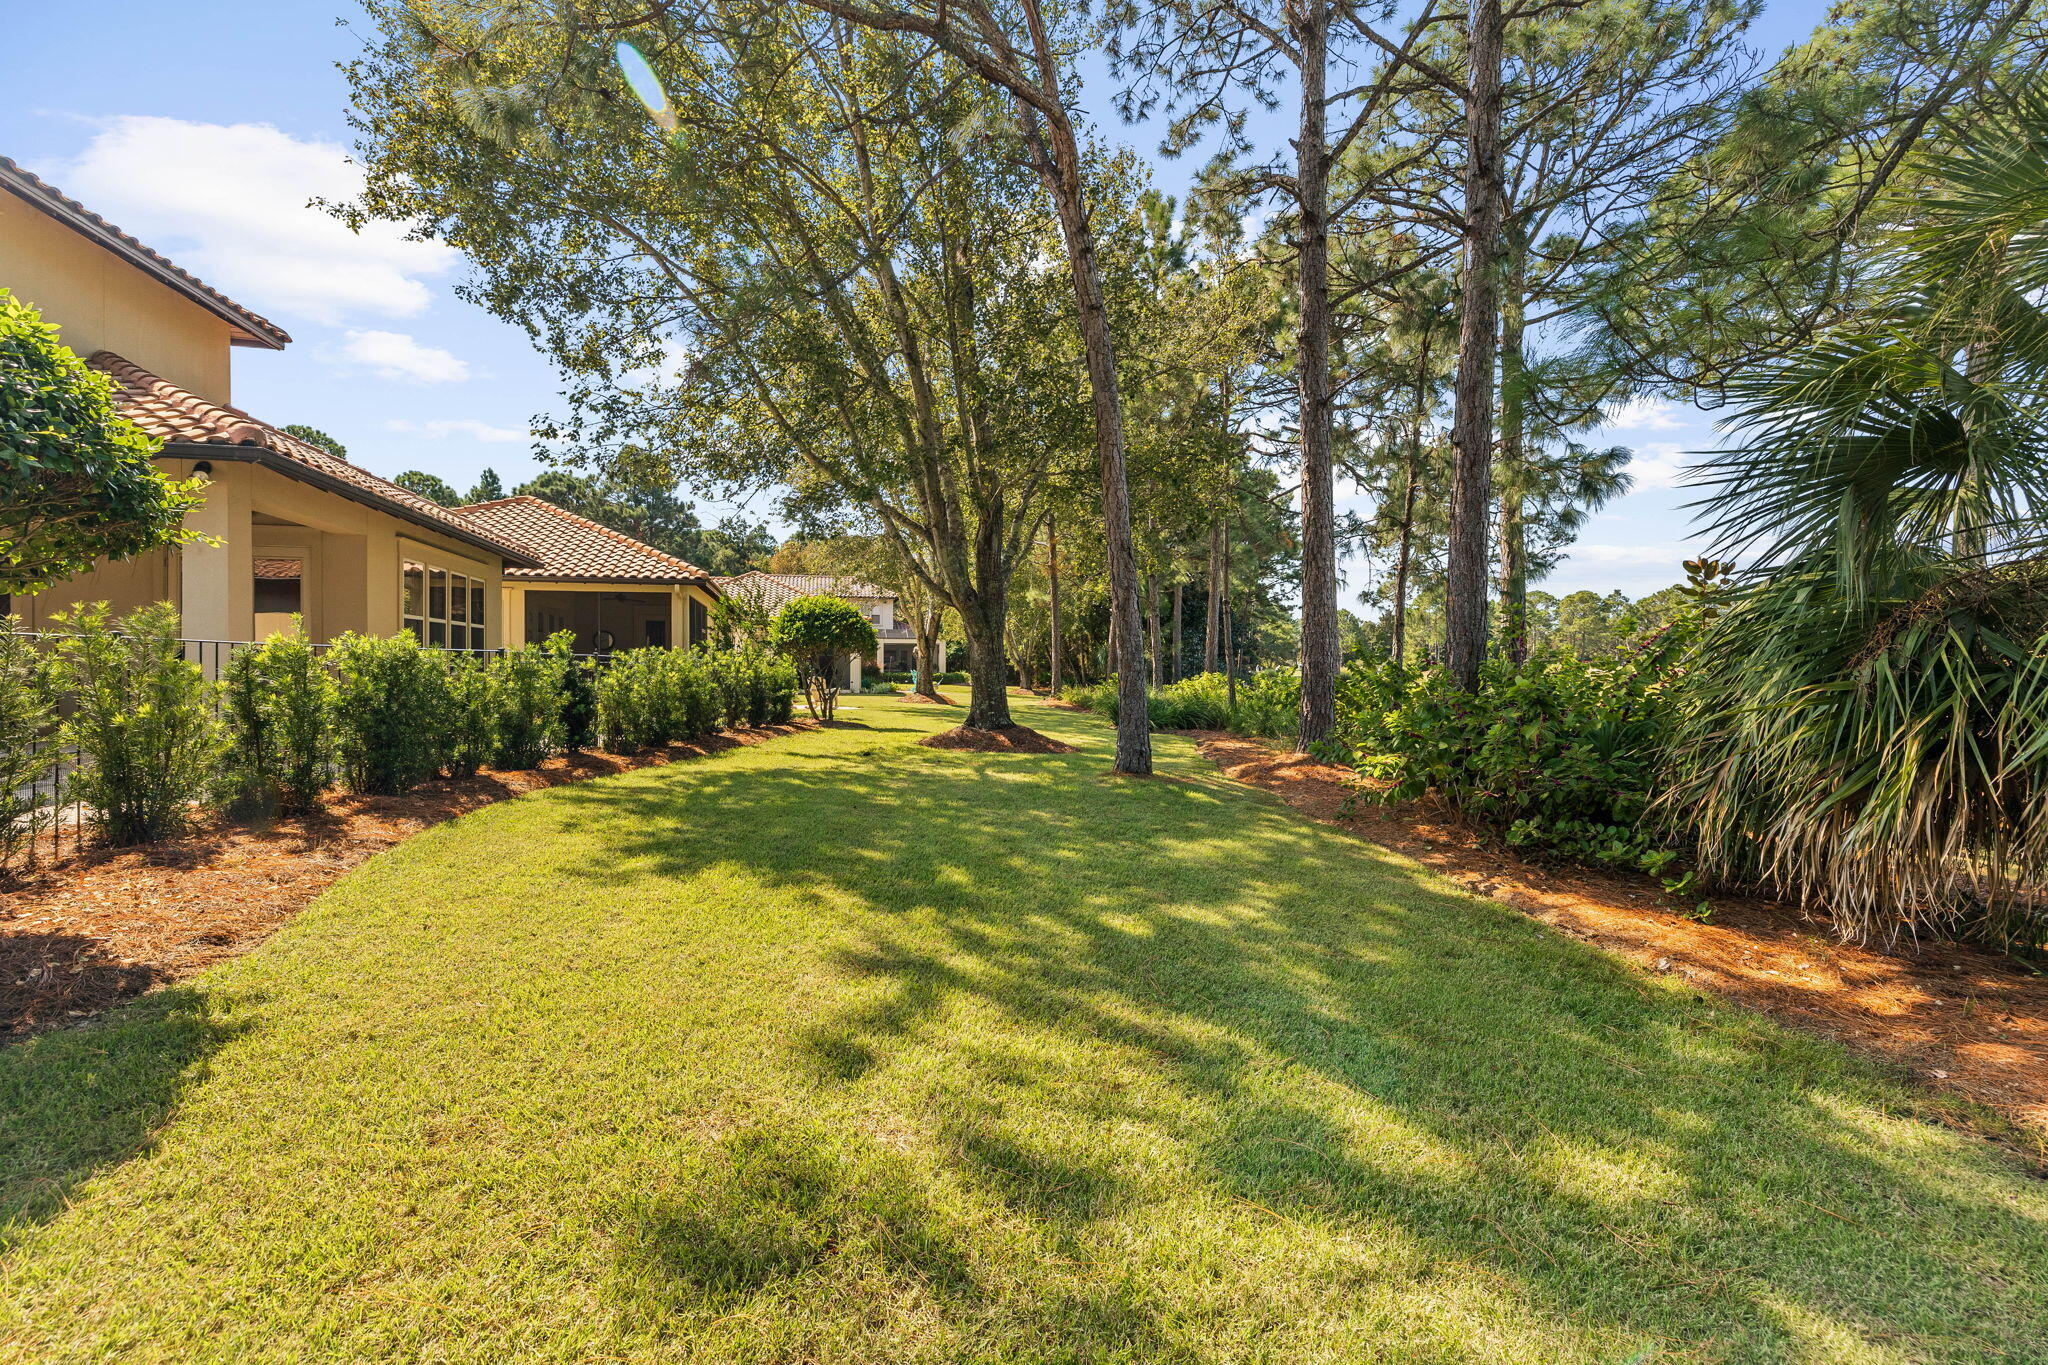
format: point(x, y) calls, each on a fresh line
point(255, 329)
point(178, 416)
point(279, 569)
point(773, 590)
point(576, 548)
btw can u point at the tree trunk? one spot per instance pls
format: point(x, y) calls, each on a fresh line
point(926, 627)
point(1133, 724)
point(1173, 655)
point(1212, 623)
point(988, 705)
point(1321, 651)
point(1229, 629)
point(1152, 626)
point(1513, 474)
point(1052, 577)
point(1478, 324)
point(1405, 554)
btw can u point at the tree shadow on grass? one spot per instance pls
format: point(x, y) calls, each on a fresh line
point(1330, 1039)
point(75, 1102)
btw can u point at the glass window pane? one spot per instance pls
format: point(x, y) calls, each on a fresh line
point(437, 595)
point(437, 634)
point(458, 598)
point(414, 627)
point(476, 637)
point(415, 592)
point(476, 602)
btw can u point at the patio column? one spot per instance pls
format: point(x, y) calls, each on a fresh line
point(512, 615)
point(214, 579)
point(678, 618)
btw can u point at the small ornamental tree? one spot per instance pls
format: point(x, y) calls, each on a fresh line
point(77, 483)
point(816, 633)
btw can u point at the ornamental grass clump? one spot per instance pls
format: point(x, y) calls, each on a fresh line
point(28, 754)
point(390, 708)
point(142, 722)
point(277, 705)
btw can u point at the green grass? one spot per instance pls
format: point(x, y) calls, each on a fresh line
point(841, 1049)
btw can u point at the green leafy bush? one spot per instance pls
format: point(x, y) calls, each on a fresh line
point(1268, 704)
point(579, 696)
point(816, 633)
point(277, 704)
point(529, 688)
point(142, 722)
point(1558, 754)
point(632, 709)
point(77, 481)
point(469, 732)
point(390, 709)
point(27, 751)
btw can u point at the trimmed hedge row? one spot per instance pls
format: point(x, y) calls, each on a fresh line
point(146, 740)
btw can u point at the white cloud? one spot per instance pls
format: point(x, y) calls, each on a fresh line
point(460, 426)
point(1658, 465)
point(1646, 414)
point(394, 355)
point(229, 202)
point(1632, 556)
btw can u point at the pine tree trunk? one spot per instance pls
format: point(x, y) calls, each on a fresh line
point(1052, 578)
point(1321, 651)
point(1229, 628)
point(1212, 623)
point(1479, 320)
point(1404, 556)
point(1514, 460)
point(1152, 624)
point(1173, 655)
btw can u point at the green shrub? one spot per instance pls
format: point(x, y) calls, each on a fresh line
point(778, 691)
point(633, 708)
point(469, 733)
point(28, 753)
point(579, 696)
point(956, 678)
point(529, 688)
point(697, 706)
point(142, 722)
point(1198, 703)
point(1269, 704)
point(816, 633)
point(277, 703)
point(390, 710)
point(1557, 754)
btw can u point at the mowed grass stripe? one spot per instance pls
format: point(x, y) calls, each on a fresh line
point(841, 1049)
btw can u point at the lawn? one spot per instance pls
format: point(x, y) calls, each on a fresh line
point(842, 1049)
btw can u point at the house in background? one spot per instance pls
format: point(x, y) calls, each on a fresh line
point(895, 644)
point(296, 529)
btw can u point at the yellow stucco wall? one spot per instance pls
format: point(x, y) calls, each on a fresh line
point(100, 302)
point(352, 555)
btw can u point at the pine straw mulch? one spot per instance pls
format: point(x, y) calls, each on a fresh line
point(1006, 739)
point(1962, 1021)
point(110, 924)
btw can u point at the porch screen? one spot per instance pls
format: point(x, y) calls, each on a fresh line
point(443, 608)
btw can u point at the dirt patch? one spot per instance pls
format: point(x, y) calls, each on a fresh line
point(111, 923)
point(1964, 1022)
point(1006, 739)
point(940, 700)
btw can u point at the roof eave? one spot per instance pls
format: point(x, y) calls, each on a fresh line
point(292, 469)
point(249, 329)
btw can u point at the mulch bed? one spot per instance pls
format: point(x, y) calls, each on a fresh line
point(939, 700)
point(98, 929)
point(1962, 1021)
point(1006, 739)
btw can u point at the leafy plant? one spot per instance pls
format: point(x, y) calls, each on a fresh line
point(816, 633)
point(77, 481)
point(277, 703)
point(142, 722)
point(579, 695)
point(27, 754)
point(470, 714)
point(390, 708)
point(529, 688)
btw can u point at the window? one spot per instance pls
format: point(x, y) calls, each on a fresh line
point(700, 622)
point(443, 608)
point(279, 593)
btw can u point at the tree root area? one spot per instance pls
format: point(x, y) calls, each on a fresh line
point(1006, 739)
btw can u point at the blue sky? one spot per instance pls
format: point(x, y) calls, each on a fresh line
point(204, 127)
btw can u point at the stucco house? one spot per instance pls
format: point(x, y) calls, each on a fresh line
point(299, 530)
point(895, 643)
